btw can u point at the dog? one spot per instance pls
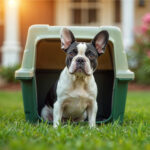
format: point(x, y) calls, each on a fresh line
point(74, 95)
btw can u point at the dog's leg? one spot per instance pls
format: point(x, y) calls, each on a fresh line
point(47, 113)
point(57, 114)
point(92, 111)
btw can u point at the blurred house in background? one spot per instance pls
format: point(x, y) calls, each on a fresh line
point(17, 15)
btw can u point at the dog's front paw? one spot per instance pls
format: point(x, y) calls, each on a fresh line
point(92, 125)
point(55, 125)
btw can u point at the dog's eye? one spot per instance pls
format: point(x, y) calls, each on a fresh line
point(71, 54)
point(91, 56)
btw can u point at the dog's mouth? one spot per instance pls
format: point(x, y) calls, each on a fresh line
point(80, 70)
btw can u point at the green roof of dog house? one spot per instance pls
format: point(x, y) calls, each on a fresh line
point(39, 32)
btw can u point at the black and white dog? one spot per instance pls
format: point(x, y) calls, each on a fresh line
point(75, 93)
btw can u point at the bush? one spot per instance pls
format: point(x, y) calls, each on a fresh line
point(7, 73)
point(142, 51)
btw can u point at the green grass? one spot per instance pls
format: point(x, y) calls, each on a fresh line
point(16, 133)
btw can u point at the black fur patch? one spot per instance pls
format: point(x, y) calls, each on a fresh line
point(71, 52)
point(92, 54)
point(51, 96)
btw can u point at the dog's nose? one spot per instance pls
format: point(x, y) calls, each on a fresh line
point(80, 60)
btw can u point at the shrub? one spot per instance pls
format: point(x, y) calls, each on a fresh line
point(142, 51)
point(7, 73)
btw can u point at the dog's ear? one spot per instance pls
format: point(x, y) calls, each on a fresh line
point(100, 41)
point(67, 38)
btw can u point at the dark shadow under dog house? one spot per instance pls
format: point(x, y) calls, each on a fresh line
point(43, 61)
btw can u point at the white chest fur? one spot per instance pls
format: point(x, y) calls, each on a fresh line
point(75, 93)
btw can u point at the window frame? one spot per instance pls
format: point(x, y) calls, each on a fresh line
point(85, 5)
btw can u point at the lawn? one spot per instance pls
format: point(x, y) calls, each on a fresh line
point(17, 134)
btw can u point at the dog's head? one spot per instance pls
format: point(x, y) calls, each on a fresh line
point(82, 57)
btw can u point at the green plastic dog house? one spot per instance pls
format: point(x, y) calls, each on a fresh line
point(43, 61)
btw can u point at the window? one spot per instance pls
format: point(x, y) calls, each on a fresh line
point(141, 3)
point(85, 12)
point(117, 11)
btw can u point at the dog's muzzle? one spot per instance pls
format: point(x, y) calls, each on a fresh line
point(80, 64)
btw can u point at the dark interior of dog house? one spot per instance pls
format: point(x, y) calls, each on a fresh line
point(50, 60)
